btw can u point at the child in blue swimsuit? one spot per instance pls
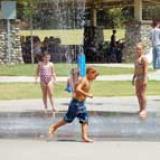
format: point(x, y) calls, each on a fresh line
point(72, 80)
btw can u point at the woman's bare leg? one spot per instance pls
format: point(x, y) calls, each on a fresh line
point(44, 94)
point(144, 100)
point(50, 93)
point(138, 91)
point(85, 137)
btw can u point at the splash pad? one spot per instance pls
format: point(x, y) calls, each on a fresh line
point(102, 126)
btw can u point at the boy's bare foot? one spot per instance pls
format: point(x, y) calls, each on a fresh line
point(88, 140)
point(52, 129)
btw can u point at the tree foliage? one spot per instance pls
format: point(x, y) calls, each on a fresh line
point(44, 18)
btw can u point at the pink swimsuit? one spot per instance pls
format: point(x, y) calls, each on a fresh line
point(45, 74)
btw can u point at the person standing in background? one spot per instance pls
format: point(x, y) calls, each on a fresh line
point(155, 40)
point(113, 42)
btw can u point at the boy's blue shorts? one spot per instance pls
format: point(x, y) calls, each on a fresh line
point(76, 109)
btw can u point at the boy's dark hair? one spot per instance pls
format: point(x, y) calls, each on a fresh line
point(155, 22)
point(92, 68)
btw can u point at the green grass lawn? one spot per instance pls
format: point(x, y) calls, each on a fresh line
point(29, 70)
point(99, 89)
point(62, 69)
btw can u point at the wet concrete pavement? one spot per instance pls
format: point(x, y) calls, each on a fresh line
point(111, 118)
point(117, 108)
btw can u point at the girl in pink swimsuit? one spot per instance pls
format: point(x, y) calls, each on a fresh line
point(45, 70)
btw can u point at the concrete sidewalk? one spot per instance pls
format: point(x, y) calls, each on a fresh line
point(74, 150)
point(26, 79)
point(126, 77)
point(110, 104)
point(41, 150)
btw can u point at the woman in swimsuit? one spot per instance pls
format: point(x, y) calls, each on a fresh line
point(46, 71)
point(140, 79)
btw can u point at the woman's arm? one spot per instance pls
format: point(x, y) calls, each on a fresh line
point(145, 69)
point(37, 72)
point(53, 72)
point(134, 76)
point(68, 82)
